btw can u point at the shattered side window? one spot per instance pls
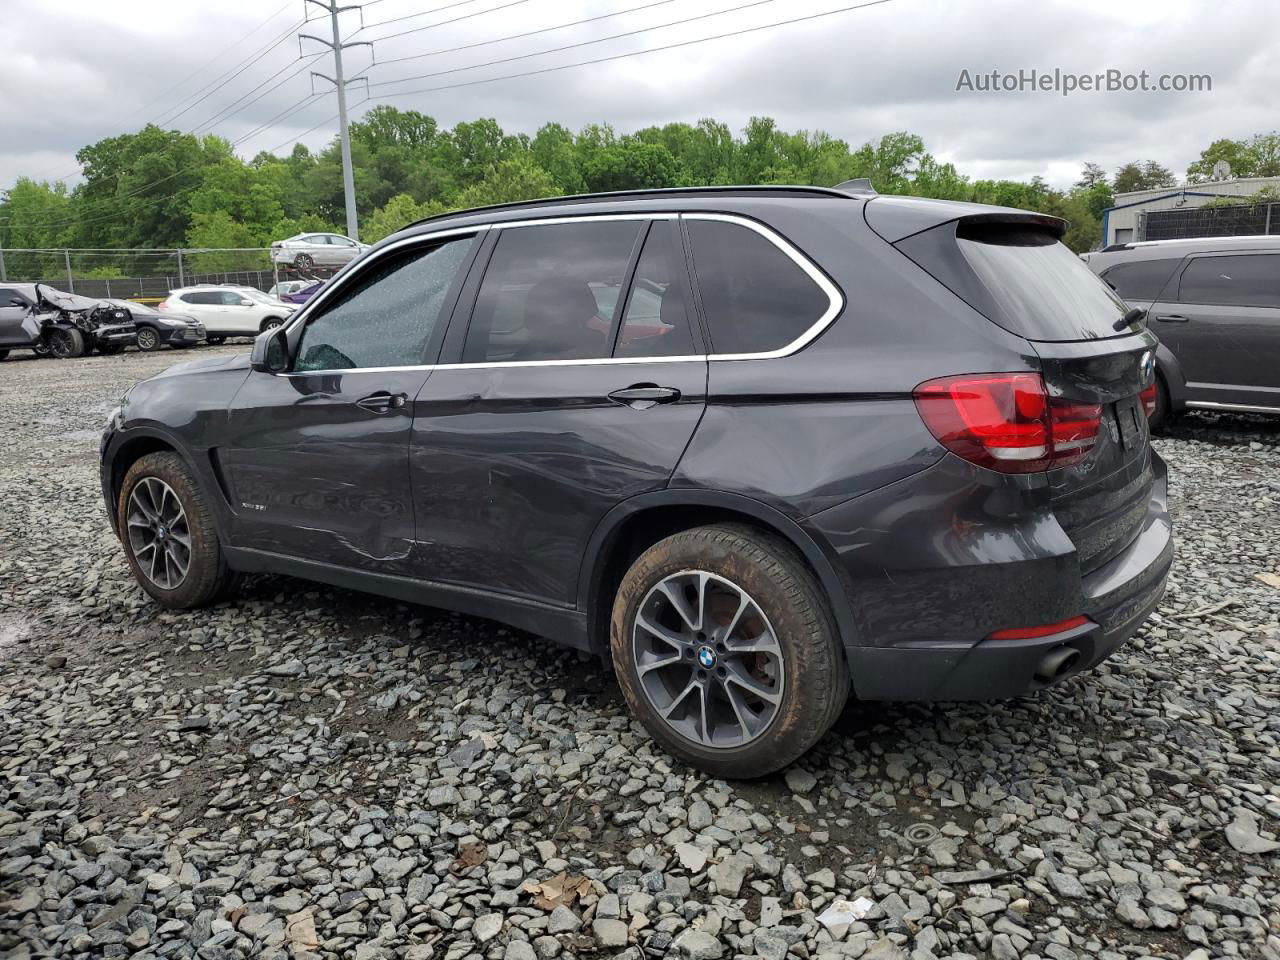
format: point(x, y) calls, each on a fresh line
point(387, 316)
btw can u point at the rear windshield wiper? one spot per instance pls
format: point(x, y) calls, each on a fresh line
point(1132, 316)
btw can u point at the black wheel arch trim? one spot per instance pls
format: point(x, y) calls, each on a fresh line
point(1170, 371)
point(603, 540)
point(204, 474)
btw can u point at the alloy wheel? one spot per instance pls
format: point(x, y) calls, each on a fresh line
point(147, 339)
point(60, 344)
point(708, 660)
point(159, 535)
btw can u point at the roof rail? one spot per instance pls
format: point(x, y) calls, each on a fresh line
point(653, 194)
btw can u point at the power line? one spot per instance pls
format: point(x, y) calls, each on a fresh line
point(521, 36)
point(442, 23)
point(411, 16)
point(225, 115)
point(221, 55)
point(202, 68)
point(526, 73)
point(618, 56)
point(633, 53)
point(212, 88)
point(581, 43)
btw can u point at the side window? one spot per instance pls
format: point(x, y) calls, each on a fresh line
point(755, 297)
point(1142, 280)
point(656, 322)
point(551, 291)
point(231, 298)
point(1243, 280)
point(201, 298)
point(387, 316)
point(7, 296)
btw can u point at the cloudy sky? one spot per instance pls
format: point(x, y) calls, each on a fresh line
point(76, 71)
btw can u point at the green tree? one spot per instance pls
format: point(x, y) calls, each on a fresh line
point(400, 211)
point(512, 180)
point(1091, 176)
point(630, 165)
point(1146, 175)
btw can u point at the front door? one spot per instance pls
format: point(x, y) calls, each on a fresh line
point(317, 459)
point(574, 390)
point(1224, 327)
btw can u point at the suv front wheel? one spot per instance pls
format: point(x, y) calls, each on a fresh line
point(725, 650)
point(168, 534)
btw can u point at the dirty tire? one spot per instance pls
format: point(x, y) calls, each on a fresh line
point(816, 683)
point(207, 578)
point(3, 354)
point(303, 261)
point(66, 343)
point(270, 324)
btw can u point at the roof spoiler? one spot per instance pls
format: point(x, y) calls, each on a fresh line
point(858, 186)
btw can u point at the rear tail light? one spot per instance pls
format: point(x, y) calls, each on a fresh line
point(1007, 421)
point(1031, 633)
point(1148, 397)
point(162, 305)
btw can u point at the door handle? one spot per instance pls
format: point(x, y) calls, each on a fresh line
point(642, 396)
point(382, 401)
point(1171, 318)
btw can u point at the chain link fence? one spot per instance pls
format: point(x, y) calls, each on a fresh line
point(141, 274)
point(1235, 220)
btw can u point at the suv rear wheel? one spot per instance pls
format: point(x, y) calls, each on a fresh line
point(725, 649)
point(168, 534)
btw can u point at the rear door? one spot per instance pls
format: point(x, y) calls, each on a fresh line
point(1221, 319)
point(571, 389)
point(317, 459)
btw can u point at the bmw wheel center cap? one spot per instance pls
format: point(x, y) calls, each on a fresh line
point(706, 657)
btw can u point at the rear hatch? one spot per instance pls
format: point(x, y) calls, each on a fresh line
point(1012, 268)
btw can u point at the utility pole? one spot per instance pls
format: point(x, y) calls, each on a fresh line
point(340, 83)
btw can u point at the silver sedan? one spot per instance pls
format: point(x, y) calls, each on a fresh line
point(307, 250)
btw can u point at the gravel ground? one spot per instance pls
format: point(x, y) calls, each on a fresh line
point(308, 772)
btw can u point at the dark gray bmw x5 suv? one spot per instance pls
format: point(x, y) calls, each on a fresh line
point(768, 448)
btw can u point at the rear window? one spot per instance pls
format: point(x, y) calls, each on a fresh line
point(1021, 278)
point(1246, 280)
point(1140, 279)
point(756, 298)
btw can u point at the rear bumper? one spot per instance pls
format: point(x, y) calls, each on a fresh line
point(938, 652)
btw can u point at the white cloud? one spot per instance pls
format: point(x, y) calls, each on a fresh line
point(75, 73)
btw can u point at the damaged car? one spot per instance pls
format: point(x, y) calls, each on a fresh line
point(34, 316)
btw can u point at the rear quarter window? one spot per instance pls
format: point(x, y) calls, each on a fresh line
point(755, 297)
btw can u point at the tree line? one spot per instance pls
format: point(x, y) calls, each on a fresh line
point(163, 189)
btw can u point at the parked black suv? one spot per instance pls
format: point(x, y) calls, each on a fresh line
point(1214, 303)
point(769, 447)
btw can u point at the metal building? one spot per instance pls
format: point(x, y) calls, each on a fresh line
point(1169, 212)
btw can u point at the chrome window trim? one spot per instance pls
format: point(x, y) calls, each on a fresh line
point(835, 297)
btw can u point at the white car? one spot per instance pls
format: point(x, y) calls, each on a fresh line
point(307, 250)
point(228, 311)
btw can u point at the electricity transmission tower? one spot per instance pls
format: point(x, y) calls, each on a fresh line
point(340, 84)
